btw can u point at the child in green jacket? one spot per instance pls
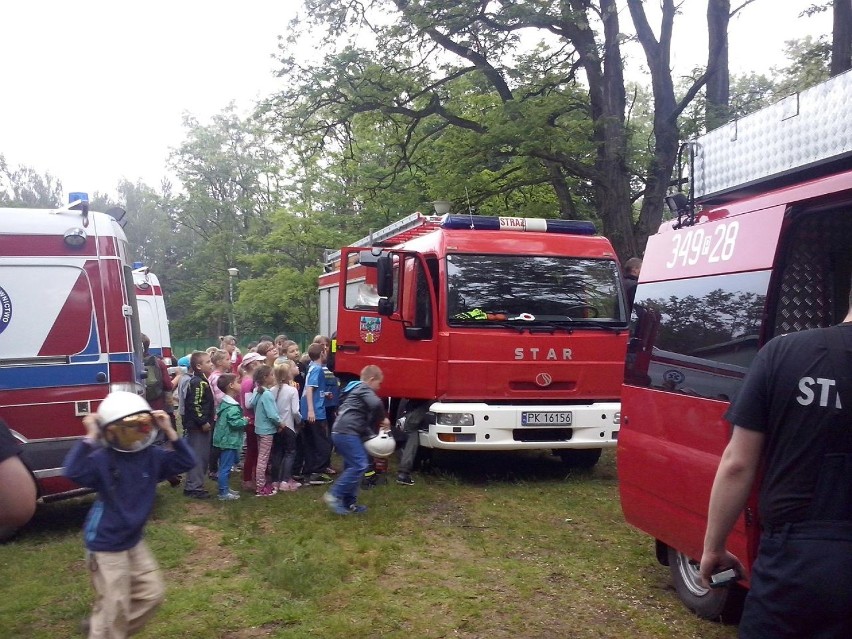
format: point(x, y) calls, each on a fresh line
point(228, 434)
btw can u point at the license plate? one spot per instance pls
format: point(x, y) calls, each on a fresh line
point(545, 419)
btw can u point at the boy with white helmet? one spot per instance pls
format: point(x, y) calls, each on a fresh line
point(116, 459)
point(360, 413)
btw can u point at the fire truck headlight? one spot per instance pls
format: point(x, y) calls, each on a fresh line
point(454, 419)
point(75, 238)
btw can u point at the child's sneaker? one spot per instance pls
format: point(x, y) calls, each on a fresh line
point(404, 479)
point(267, 491)
point(318, 479)
point(233, 492)
point(229, 496)
point(335, 505)
point(357, 509)
point(294, 485)
point(288, 486)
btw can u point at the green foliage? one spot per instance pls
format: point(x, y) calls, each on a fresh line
point(25, 187)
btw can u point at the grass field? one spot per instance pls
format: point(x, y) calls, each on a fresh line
point(483, 546)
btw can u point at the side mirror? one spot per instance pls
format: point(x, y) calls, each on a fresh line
point(385, 306)
point(384, 276)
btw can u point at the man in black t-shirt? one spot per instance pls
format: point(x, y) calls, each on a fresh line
point(793, 420)
point(17, 487)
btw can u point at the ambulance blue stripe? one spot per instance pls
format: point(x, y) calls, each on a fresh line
point(47, 376)
point(93, 347)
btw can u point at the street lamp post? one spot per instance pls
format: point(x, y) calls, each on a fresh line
point(232, 273)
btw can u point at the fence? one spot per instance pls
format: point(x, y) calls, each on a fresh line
point(181, 347)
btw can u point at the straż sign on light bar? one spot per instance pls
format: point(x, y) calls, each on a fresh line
point(522, 224)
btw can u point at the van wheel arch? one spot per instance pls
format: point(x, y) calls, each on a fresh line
point(721, 604)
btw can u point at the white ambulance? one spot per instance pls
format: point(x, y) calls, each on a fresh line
point(69, 329)
point(152, 312)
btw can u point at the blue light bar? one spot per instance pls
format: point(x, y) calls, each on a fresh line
point(493, 223)
point(78, 196)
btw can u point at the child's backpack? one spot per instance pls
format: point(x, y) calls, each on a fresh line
point(154, 380)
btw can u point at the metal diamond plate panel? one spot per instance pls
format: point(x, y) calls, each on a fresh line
point(808, 295)
point(801, 131)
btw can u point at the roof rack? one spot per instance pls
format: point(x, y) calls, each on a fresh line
point(803, 136)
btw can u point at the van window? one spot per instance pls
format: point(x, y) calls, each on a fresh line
point(697, 336)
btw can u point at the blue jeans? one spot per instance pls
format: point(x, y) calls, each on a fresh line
point(355, 464)
point(227, 459)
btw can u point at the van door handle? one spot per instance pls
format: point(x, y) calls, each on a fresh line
point(349, 348)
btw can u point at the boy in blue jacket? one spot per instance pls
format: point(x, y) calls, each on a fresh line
point(116, 459)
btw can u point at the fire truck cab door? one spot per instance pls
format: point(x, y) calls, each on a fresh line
point(399, 333)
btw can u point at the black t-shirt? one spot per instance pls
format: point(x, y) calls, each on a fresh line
point(9, 446)
point(790, 394)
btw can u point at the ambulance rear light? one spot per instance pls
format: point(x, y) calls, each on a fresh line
point(493, 223)
point(123, 377)
point(129, 387)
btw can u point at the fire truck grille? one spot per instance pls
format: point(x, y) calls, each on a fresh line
point(542, 434)
point(808, 283)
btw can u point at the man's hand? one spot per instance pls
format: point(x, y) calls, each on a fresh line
point(312, 416)
point(714, 561)
point(164, 423)
point(205, 428)
point(384, 425)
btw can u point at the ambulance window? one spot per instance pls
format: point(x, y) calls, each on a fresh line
point(697, 336)
point(46, 311)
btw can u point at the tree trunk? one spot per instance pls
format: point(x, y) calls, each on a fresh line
point(567, 210)
point(841, 45)
point(607, 98)
point(718, 79)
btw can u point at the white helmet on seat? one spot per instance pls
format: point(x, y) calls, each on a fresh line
point(126, 422)
point(381, 445)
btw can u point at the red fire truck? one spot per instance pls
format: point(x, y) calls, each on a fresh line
point(762, 250)
point(69, 329)
point(513, 330)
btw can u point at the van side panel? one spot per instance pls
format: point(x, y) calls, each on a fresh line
point(666, 466)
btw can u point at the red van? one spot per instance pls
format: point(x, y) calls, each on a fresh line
point(763, 249)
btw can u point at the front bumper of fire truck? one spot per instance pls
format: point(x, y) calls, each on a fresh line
point(480, 426)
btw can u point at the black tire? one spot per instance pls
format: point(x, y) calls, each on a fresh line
point(580, 457)
point(718, 604)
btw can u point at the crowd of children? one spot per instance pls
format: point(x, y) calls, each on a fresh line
point(270, 410)
point(277, 408)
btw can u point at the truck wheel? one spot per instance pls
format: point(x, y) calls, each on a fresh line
point(580, 457)
point(721, 604)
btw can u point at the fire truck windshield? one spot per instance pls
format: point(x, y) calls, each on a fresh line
point(494, 289)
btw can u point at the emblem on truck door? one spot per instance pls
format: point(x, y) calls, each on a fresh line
point(370, 329)
point(543, 379)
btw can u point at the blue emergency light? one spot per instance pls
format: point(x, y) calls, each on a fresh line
point(494, 223)
point(78, 196)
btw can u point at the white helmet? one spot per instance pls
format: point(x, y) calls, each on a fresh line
point(381, 445)
point(126, 422)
